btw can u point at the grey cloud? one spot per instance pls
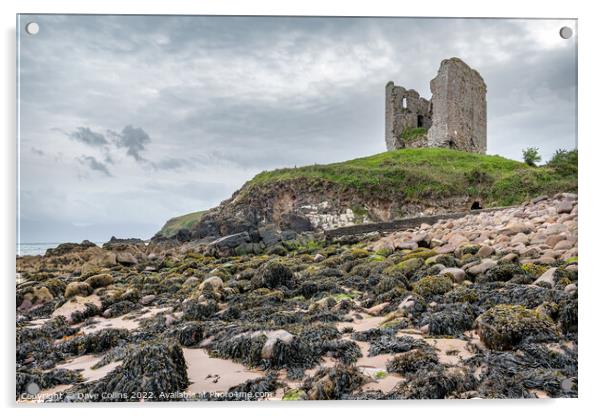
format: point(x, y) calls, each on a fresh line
point(134, 139)
point(86, 136)
point(169, 164)
point(37, 152)
point(219, 99)
point(92, 163)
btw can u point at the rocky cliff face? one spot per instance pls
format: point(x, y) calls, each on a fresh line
point(310, 205)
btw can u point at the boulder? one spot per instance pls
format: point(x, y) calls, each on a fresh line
point(485, 251)
point(155, 369)
point(99, 280)
point(517, 227)
point(272, 338)
point(563, 245)
point(482, 267)
point(433, 285)
point(226, 245)
point(274, 274)
point(505, 326)
point(77, 289)
point(547, 278)
point(295, 222)
point(127, 259)
point(318, 258)
point(147, 300)
point(570, 288)
point(270, 234)
point(213, 282)
point(556, 228)
point(565, 206)
point(191, 281)
point(457, 273)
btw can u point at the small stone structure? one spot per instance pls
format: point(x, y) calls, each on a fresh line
point(455, 117)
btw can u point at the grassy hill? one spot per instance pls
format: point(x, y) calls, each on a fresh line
point(411, 175)
point(186, 221)
point(432, 173)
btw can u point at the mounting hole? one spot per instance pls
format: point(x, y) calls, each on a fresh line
point(566, 32)
point(32, 28)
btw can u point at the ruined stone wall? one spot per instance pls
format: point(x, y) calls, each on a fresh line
point(459, 108)
point(404, 109)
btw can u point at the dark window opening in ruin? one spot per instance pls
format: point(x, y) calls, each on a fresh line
point(404, 102)
point(476, 205)
point(420, 121)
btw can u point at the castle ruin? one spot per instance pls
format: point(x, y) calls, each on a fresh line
point(455, 117)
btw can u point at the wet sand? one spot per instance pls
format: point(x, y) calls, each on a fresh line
point(85, 363)
point(214, 375)
point(130, 321)
point(358, 325)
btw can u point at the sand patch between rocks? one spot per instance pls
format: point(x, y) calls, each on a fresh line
point(214, 375)
point(85, 363)
point(129, 321)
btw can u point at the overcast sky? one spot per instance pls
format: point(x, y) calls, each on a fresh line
point(126, 121)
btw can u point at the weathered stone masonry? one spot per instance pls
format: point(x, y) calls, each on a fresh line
point(455, 117)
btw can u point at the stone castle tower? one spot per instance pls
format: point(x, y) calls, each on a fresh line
point(455, 117)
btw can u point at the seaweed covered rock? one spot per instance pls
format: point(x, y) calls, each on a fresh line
point(213, 283)
point(273, 275)
point(155, 370)
point(344, 350)
point(119, 308)
point(197, 311)
point(30, 382)
point(433, 285)
point(505, 326)
point(436, 383)
point(77, 289)
point(333, 383)
point(254, 389)
point(270, 349)
point(452, 320)
point(405, 267)
point(99, 280)
point(549, 368)
point(412, 361)
point(188, 333)
point(96, 342)
point(501, 273)
point(568, 315)
point(389, 343)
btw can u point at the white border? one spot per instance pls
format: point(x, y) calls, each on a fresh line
point(590, 290)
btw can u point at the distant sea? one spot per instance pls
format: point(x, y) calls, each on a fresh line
point(33, 249)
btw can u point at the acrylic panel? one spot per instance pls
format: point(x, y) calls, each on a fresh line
point(295, 208)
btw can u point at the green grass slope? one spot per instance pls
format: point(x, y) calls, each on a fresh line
point(418, 175)
point(433, 173)
point(175, 224)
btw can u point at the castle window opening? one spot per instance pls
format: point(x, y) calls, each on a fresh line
point(420, 121)
point(404, 102)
